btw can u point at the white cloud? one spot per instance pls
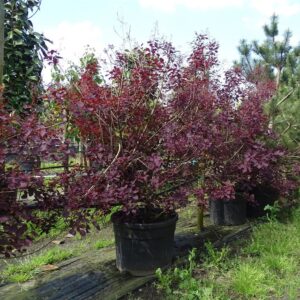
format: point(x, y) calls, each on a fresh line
point(71, 39)
point(171, 5)
point(279, 7)
point(254, 23)
point(264, 7)
point(295, 41)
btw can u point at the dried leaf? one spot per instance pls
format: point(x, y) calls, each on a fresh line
point(58, 242)
point(49, 268)
point(69, 235)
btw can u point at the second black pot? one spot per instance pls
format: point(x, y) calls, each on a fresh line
point(232, 212)
point(235, 211)
point(216, 208)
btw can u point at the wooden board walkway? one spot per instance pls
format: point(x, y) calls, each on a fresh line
point(93, 275)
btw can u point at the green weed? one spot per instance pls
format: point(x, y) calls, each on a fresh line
point(181, 283)
point(103, 243)
point(214, 258)
point(272, 211)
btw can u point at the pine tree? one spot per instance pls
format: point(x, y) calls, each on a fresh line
point(280, 62)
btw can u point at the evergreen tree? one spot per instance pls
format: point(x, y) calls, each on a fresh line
point(276, 56)
point(280, 62)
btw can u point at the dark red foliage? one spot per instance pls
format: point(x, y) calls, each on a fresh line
point(23, 140)
point(155, 131)
point(157, 127)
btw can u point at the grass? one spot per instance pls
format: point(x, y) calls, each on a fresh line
point(103, 243)
point(265, 267)
point(248, 280)
point(28, 268)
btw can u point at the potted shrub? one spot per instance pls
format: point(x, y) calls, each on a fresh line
point(123, 122)
point(210, 136)
point(149, 128)
point(226, 133)
point(252, 156)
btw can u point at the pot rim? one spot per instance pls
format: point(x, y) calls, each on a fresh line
point(172, 219)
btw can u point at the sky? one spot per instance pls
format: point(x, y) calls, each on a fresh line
point(73, 24)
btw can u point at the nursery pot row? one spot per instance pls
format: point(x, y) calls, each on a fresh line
point(235, 212)
point(142, 248)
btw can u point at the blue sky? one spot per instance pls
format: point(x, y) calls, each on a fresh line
point(72, 24)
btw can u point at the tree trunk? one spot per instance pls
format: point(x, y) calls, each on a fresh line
point(200, 217)
point(278, 75)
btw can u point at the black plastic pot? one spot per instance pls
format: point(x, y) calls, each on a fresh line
point(263, 195)
point(30, 164)
point(235, 211)
point(142, 248)
point(7, 197)
point(11, 157)
point(231, 212)
point(216, 208)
